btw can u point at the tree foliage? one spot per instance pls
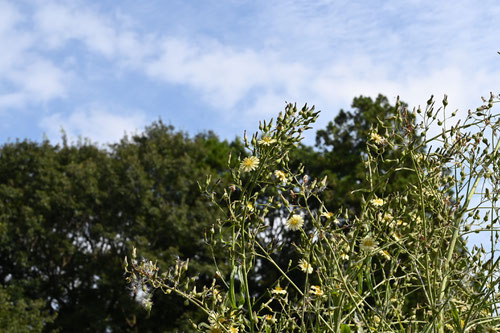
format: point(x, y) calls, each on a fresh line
point(70, 214)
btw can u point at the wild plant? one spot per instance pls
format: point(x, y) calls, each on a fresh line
point(401, 265)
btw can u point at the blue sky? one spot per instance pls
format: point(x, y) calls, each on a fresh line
point(99, 69)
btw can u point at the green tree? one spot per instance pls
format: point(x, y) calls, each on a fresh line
point(20, 315)
point(69, 214)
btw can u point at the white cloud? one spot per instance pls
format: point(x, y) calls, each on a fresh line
point(94, 122)
point(325, 54)
point(106, 35)
point(25, 76)
point(223, 75)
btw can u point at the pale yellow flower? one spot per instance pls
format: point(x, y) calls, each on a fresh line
point(328, 215)
point(278, 291)
point(249, 163)
point(386, 254)
point(377, 202)
point(280, 175)
point(377, 138)
point(295, 222)
point(305, 266)
point(344, 256)
point(368, 244)
point(266, 141)
point(250, 206)
point(397, 236)
point(316, 291)
point(233, 329)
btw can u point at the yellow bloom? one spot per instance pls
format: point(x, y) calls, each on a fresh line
point(249, 164)
point(295, 222)
point(377, 138)
point(250, 206)
point(328, 215)
point(386, 254)
point(266, 141)
point(377, 202)
point(316, 291)
point(368, 244)
point(233, 329)
point(278, 291)
point(305, 266)
point(280, 175)
point(270, 318)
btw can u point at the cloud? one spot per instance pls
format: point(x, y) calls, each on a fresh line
point(25, 76)
point(224, 76)
point(96, 122)
point(107, 35)
point(325, 53)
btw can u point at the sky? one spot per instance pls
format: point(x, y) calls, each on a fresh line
point(102, 69)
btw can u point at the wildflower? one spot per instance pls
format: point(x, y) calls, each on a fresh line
point(266, 141)
point(328, 215)
point(377, 202)
point(377, 138)
point(316, 291)
point(249, 164)
point(295, 222)
point(217, 296)
point(305, 266)
point(270, 318)
point(419, 157)
point(344, 256)
point(386, 254)
point(250, 206)
point(233, 329)
point(280, 175)
point(397, 236)
point(368, 244)
point(278, 291)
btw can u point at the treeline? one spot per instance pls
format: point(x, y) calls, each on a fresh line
point(70, 213)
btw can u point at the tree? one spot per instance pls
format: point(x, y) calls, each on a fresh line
point(20, 315)
point(69, 215)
